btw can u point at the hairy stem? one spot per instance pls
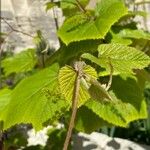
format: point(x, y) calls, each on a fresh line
point(110, 77)
point(80, 6)
point(74, 108)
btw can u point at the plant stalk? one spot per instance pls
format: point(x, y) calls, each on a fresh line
point(110, 77)
point(80, 6)
point(74, 107)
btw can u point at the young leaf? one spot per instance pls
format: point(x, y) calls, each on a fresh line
point(130, 103)
point(35, 100)
point(83, 26)
point(96, 91)
point(67, 76)
point(123, 58)
point(22, 62)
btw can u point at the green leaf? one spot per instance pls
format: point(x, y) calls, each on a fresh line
point(66, 54)
point(5, 96)
point(143, 77)
point(125, 36)
point(96, 90)
point(70, 7)
point(83, 26)
point(135, 34)
point(84, 124)
point(130, 104)
point(22, 62)
point(67, 76)
point(35, 100)
point(123, 58)
point(117, 38)
point(50, 5)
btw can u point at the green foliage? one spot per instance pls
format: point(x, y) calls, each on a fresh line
point(139, 130)
point(66, 54)
point(67, 77)
point(16, 138)
point(21, 62)
point(71, 7)
point(56, 139)
point(117, 38)
point(122, 58)
point(35, 99)
point(135, 34)
point(129, 105)
point(41, 45)
point(83, 27)
point(82, 120)
point(97, 91)
point(4, 98)
point(99, 36)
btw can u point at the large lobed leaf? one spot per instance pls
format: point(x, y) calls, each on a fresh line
point(21, 62)
point(123, 58)
point(130, 104)
point(5, 95)
point(83, 26)
point(84, 124)
point(35, 100)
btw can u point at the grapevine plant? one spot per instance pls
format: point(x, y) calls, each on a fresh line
point(96, 78)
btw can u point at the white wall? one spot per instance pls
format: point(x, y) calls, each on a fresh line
point(28, 16)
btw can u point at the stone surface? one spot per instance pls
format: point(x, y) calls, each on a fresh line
point(82, 141)
point(28, 16)
point(98, 141)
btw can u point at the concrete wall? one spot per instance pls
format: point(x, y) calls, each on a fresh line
point(28, 16)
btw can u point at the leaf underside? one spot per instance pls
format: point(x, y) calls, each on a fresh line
point(67, 76)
